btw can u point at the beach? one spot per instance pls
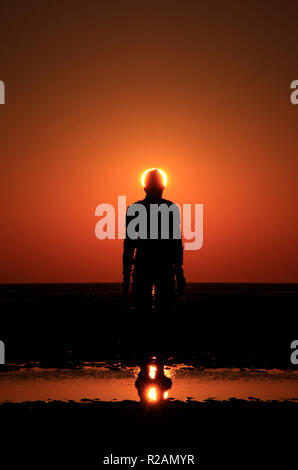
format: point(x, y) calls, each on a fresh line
point(226, 434)
point(68, 393)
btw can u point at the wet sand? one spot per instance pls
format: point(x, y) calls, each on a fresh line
point(116, 383)
point(214, 325)
point(225, 434)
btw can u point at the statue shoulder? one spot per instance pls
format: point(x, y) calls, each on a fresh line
point(168, 202)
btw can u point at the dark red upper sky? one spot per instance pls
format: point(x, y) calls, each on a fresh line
point(98, 91)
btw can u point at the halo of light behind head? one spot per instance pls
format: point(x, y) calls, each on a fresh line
point(163, 175)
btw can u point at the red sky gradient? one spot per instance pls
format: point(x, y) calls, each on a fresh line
point(97, 92)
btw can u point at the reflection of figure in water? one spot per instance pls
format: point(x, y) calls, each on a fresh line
point(152, 384)
point(155, 262)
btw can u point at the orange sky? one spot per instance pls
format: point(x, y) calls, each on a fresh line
point(96, 92)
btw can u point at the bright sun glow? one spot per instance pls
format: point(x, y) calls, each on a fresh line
point(164, 176)
point(165, 395)
point(152, 372)
point(152, 394)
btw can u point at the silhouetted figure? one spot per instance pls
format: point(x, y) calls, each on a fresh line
point(152, 383)
point(156, 263)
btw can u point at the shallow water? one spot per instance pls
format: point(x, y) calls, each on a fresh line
point(102, 382)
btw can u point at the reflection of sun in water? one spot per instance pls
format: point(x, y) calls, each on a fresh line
point(152, 372)
point(169, 373)
point(164, 176)
point(152, 394)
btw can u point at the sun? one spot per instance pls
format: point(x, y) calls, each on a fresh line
point(164, 176)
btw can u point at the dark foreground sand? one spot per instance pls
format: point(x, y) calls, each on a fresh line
point(214, 326)
point(227, 434)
